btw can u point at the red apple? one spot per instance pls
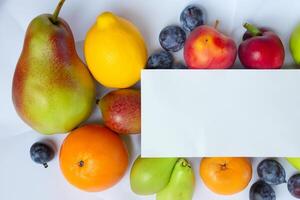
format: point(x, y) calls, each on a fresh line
point(207, 48)
point(261, 49)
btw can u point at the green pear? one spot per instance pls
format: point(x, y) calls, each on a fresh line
point(181, 184)
point(52, 91)
point(295, 44)
point(295, 162)
point(150, 175)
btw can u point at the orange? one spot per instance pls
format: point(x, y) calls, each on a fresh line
point(226, 175)
point(93, 158)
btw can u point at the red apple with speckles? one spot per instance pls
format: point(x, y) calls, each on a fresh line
point(207, 48)
point(261, 49)
point(121, 111)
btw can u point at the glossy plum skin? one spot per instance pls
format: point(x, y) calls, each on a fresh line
point(172, 38)
point(271, 172)
point(41, 153)
point(261, 191)
point(265, 51)
point(191, 17)
point(160, 60)
point(294, 185)
point(179, 65)
point(206, 48)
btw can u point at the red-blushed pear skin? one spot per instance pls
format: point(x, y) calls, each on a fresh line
point(52, 89)
point(261, 49)
point(207, 48)
point(121, 111)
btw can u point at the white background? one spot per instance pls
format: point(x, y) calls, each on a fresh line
point(22, 179)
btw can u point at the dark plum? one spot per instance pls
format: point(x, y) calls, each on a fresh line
point(261, 191)
point(271, 172)
point(41, 153)
point(294, 185)
point(172, 38)
point(179, 65)
point(191, 17)
point(160, 60)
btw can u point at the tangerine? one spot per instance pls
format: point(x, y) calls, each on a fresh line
point(226, 175)
point(93, 158)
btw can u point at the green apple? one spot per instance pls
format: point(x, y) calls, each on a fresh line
point(295, 162)
point(295, 44)
point(151, 175)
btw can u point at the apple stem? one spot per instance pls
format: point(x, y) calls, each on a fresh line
point(217, 22)
point(253, 30)
point(57, 10)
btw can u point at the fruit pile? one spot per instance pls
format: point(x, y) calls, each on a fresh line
point(207, 48)
point(55, 92)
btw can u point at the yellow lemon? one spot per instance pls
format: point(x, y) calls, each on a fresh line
point(115, 51)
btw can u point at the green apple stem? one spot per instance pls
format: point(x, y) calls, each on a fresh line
point(217, 22)
point(57, 10)
point(252, 29)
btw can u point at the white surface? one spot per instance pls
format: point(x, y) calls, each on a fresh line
point(220, 113)
point(22, 179)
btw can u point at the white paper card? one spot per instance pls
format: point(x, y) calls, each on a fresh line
point(195, 113)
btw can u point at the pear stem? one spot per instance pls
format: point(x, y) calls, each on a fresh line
point(253, 30)
point(57, 10)
point(217, 22)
